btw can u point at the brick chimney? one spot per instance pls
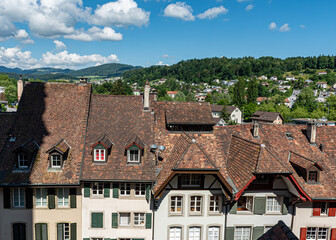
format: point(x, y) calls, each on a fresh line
point(146, 96)
point(256, 130)
point(311, 132)
point(20, 85)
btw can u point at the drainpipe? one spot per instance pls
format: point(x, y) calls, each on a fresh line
point(153, 213)
point(294, 212)
point(225, 221)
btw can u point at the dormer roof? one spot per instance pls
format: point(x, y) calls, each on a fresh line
point(61, 146)
point(303, 162)
point(28, 147)
point(103, 140)
point(135, 141)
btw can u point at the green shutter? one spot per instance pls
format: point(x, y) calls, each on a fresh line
point(41, 231)
point(73, 231)
point(96, 220)
point(229, 233)
point(148, 220)
point(106, 190)
point(87, 188)
point(138, 239)
point(44, 231)
point(86, 238)
point(148, 188)
point(114, 220)
point(38, 230)
point(6, 198)
point(73, 202)
point(115, 190)
point(29, 198)
point(259, 205)
point(285, 205)
point(51, 198)
point(233, 209)
point(60, 231)
point(257, 232)
point(107, 238)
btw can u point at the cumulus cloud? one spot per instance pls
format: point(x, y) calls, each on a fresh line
point(14, 57)
point(249, 7)
point(213, 12)
point(284, 28)
point(165, 56)
point(179, 10)
point(120, 13)
point(96, 34)
point(161, 63)
point(302, 26)
point(272, 26)
point(59, 45)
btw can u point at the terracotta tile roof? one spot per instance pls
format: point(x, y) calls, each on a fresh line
point(137, 141)
point(48, 112)
point(6, 121)
point(29, 146)
point(219, 108)
point(279, 231)
point(123, 120)
point(104, 140)
point(265, 116)
point(61, 146)
point(301, 161)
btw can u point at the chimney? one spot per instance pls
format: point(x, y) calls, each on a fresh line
point(83, 80)
point(256, 130)
point(20, 85)
point(311, 132)
point(146, 96)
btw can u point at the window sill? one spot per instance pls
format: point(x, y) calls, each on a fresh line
point(244, 213)
point(195, 214)
point(16, 170)
point(99, 162)
point(55, 170)
point(214, 213)
point(175, 214)
point(273, 213)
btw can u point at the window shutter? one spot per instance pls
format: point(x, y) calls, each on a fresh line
point(148, 220)
point(107, 238)
point(60, 231)
point(303, 233)
point(114, 220)
point(332, 209)
point(86, 238)
point(259, 205)
point(285, 205)
point(229, 233)
point(138, 239)
point(73, 231)
point(115, 190)
point(51, 198)
point(316, 209)
point(38, 231)
point(96, 220)
point(29, 198)
point(44, 231)
point(73, 202)
point(6, 197)
point(233, 209)
point(106, 190)
point(148, 188)
point(333, 234)
point(87, 188)
point(257, 232)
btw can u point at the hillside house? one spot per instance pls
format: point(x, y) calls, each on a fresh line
point(290, 78)
point(274, 78)
point(267, 117)
point(323, 85)
point(172, 94)
point(235, 115)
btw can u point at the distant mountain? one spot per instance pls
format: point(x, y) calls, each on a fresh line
point(107, 70)
point(42, 71)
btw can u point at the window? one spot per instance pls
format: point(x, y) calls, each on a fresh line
point(97, 239)
point(214, 204)
point(140, 189)
point(139, 219)
point(22, 160)
point(245, 203)
point(324, 208)
point(242, 233)
point(195, 204)
point(191, 180)
point(97, 189)
point(18, 197)
point(124, 219)
point(213, 233)
point(97, 220)
point(19, 231)
point(63, 231)
point(41, 197)
point(175, 233)
point(63, 197)
point(99, 155)
point(56, 161)
point(314, 233)
point(176, 204)
point(41, 231)
point(266, 228)
point(133, 156)
point(125, 189)
point(194, 233)
point(312, 176)
point(273, 204)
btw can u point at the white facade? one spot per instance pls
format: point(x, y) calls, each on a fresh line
point(236, 116)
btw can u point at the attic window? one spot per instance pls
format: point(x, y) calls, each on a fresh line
point(58, 153)
point(56, 161)
point(99, 155)
point(312, 177)
point(289, 136)
point(22, 160)
point(133, 155)
point(101, 149)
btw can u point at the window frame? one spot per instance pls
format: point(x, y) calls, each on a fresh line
point(20, 194)
point(194, 227)
point(326, 209)
point(247, 204)
point(208, 231)
point(123, 188)
point(42, 192)
point(129, 219)
point(242, 227)
point(22, 160)
point(64, 231)
point(189, 182)
point(52, 161)
point(141, 185)
point(100, 187)
point(175, 227)
point(311, 181)
point(275, 199)
point(317, 232)
point(129, 154)
point(63, 198)
point(218, 204)
point(99, 150)
point(170, 204)
point(139, 215)
point(194, 212)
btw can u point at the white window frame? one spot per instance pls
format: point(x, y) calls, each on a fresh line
point(194, 200)
point(125, 189)
point(215, 203)
point(100, 150)
point(99, 191)
point(129, 154)
point(124, 215)
point(63, 201)
point(52, 160)
point(139, 219)
point(175, 234)
point(175, 202)
point(66, 231)
point(193, 230)
point(22, 158)
point(275, 203)
point(41, 199)
point(141, 188)
point(20, 197)
point(242, 236)
point(213, 233)
point(248, 204)
point(326, 209)
point(313, 233)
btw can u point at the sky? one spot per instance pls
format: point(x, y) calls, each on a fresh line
point(80, 33)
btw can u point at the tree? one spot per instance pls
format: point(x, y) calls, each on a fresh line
point(190, 97)
point(120, 88)
point(209, 98)
point(239, 93)
point(224, 114)
point(306, 99)
point(180, 97)
point(11, 93)
point(249, 109)
point(252, 91)
point(2, 108)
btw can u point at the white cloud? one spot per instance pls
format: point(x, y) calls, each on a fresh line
point(165, 56)
point(120, 13)
point(302, 26)
point(160, 63)
point(213, 12)
point(284, 28)
point(272, 26)
point(59, 45)
point(249, 7)
point(14, 57)
point(243, 1)
point(179, 10)
point(96, 34)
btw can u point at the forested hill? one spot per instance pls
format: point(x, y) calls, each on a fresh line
point(107, 70)
point(208, 69)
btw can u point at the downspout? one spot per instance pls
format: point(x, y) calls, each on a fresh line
point(225, 221)
point(153, 213)
point(294, 212)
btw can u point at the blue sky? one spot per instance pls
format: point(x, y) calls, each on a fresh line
point(76, 34)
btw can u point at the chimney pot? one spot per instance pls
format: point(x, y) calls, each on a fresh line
point(311, 132)
point(20, 85)
point(256, 130)
point(146, 96)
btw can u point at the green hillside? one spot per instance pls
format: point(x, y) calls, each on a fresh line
point(105, 70)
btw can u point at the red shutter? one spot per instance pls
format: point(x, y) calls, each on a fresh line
point(303, 233)
point(317, 209)
point(332, 209)
point(333, 234)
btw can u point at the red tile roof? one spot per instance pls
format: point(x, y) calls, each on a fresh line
point(6, 121)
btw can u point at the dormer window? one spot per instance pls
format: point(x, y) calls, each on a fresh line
point(56, 161)
point(58, 153)
point(134, 150)
point(101, 149)
point(99, 155)
point(25, 153)
point(22, 160)
point(312, 176)
point(133, 156)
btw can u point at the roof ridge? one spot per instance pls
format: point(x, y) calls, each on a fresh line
point(276, 158)
point(233, 135)
point(302, 157)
